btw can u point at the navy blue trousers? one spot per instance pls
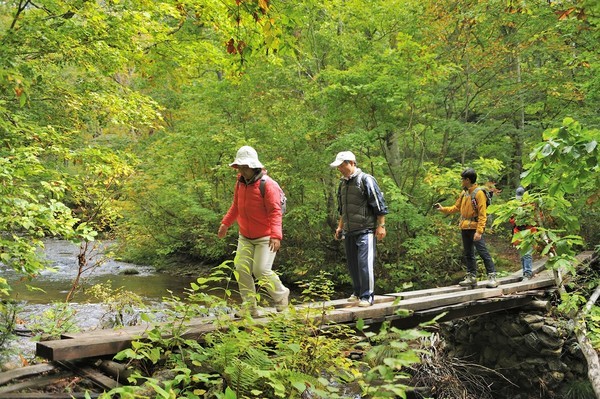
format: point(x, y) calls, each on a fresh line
point(469, 246)
point(360, 255)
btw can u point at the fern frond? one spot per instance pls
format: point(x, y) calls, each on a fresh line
point(258, 359)
point(241, 377)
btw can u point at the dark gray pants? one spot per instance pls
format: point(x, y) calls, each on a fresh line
point(469, 246)
point(360, 255)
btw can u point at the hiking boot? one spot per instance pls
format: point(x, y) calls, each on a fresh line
point(526, 277)
point(353, 298)
point(364, 303)
point(469, 281)
point(492, 282)
point(282, 304)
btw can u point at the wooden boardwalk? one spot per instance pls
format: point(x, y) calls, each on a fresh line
point(420, 305)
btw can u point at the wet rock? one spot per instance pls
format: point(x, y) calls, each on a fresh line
point(546, 352)
point(557, 376)
point(509, 363)
point(532, 341)
point(551, 331)
point(462, 335)
point(537, 326)
point(9, 366)
point(551, 342)
point(536, 361)
point(532, 319)
point(557, 365)
point(490, 355)
point(514, 329)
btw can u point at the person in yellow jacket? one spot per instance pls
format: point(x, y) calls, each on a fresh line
point(473, 217)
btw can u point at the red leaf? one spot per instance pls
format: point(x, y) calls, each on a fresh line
point(231, 46)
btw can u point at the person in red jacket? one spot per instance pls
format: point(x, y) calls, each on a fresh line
point(259, 218)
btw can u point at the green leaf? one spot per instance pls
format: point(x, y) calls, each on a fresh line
point(360, 324)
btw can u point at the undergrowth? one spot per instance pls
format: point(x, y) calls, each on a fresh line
point(293, 354)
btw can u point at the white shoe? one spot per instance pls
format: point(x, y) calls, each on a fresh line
point(492, 282)
point(283, 303)
point(353, 298)
point(364, 303)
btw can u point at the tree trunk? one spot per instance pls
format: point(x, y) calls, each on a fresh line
point(591, 356)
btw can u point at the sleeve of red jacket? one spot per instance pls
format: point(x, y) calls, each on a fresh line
point(273, 205)
point(232, 214)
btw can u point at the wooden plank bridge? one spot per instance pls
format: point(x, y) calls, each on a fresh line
point(421, 305)
point(86, 355)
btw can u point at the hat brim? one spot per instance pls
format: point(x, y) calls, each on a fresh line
point(252, 163)
point(336, 163)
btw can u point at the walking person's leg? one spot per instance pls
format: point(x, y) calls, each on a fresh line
point(482, 250)
point(243, 262)
point(470, 279)
point(490, 267)
point(527, 264)
point(366, 260)
point(263, 271)
point(352, 263)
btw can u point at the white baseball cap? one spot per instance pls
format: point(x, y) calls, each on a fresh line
point(341, 157)
point(246, 155)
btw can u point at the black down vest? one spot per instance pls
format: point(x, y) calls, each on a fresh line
point(354, 207)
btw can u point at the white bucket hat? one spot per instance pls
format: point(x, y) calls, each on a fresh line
point(246, 155)
point(341, 157)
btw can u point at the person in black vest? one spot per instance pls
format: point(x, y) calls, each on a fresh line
point(362, 212)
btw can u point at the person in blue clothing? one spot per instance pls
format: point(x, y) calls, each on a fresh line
point(521, 223)
point(362, 211)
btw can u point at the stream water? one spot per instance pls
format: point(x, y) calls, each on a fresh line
point(53, 285)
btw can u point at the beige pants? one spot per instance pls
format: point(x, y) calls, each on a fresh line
point(254, 258)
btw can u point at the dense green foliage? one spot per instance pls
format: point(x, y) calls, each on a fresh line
point(121, 118)
point(285, 355)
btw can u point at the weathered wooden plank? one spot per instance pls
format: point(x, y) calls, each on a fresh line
point(35, 382)
point(98, 378)
point(435, 301)
point(428, 292)
point(343, 303)
point(78, 348)
point(460, 310)
point(541, 280)
point(101, 343)
point(117, 332)
point(513, 278)
point(10, 375)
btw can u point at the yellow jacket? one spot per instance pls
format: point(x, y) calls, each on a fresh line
point(469, 220)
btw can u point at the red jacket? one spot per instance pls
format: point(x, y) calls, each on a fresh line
point(256, 216)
